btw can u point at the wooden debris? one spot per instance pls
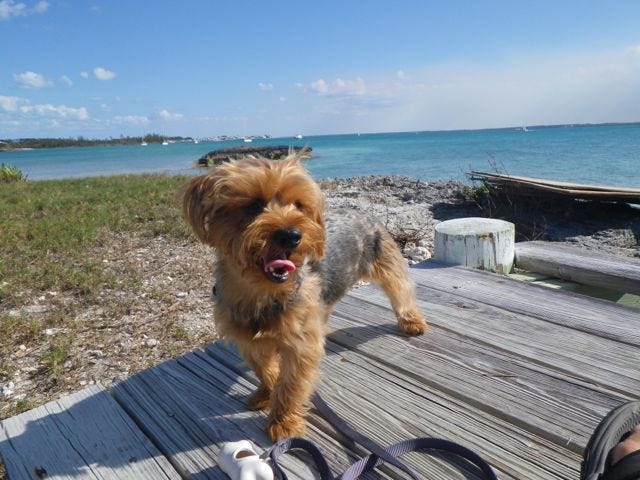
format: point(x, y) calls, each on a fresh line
point(526, 186)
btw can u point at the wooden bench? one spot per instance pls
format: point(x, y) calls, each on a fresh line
point(580, 265)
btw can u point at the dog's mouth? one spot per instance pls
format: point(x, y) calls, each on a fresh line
point(278, 268)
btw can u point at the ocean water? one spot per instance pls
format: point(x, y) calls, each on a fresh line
point(599, 154)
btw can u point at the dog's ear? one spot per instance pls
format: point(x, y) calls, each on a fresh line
point(198, 203)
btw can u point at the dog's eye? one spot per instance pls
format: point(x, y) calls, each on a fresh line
point(299, 205)
point(255, 207)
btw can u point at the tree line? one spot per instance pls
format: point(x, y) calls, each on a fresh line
point(12, 144)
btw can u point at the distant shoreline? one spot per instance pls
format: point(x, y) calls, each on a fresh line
point(9, 145)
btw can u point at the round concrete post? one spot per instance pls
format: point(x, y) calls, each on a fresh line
point(482, 243)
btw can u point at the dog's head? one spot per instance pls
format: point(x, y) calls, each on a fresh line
point(265, 217)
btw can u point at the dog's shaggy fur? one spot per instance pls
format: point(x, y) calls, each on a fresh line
point(281, 266)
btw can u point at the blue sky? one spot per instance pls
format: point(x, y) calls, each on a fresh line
point(204, 68)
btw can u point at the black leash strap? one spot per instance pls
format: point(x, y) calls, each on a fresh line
point(283, 446)
point(378, 455)
point(342, 426)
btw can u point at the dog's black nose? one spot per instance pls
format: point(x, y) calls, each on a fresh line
point(288, 238)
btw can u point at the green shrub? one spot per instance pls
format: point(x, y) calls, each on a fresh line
point(9, 173)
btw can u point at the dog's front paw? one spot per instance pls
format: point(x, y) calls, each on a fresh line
point(412, 323)
point(286, 428)
point(259, 400)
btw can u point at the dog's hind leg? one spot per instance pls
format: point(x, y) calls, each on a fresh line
point(391, 272)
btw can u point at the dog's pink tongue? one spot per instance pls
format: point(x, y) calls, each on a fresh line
point(278, 264)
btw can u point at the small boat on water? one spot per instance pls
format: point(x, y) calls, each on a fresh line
point(299, 137)
point(144, 144)
point(247, 140)
point(165, 142)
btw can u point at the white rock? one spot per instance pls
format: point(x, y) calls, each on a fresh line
point(418, 253)
point(35, 308)
point(6, 391)
point(151, 342)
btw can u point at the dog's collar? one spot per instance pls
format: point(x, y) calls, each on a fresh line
point(266, 315)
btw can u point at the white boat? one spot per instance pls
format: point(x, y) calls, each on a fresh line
point(195, 141)
point(247, 140)
point(299, 137)
point(165, 143)
point(144, 144)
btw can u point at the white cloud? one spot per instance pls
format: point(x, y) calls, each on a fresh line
point(169, 116)
point(131, 120)
point(103, 74)
point(339, 87)
point(10, 104)
point(634, 50)
point(30, 79)
point(562, 88)
point(265, 87)
point(401, 75)
point(62, 111)
point(9, 9)
point(41, 7)
point(66, 80)
point(319, 86)
point(84, 74)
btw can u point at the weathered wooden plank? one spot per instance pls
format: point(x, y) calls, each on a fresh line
point(569, 352)
point(535, 186)
point(598, 317)
point(192, 405)
point(538, 398)
point(566, 185)
point(579, 265)
point(85, 435)
point(389, 406)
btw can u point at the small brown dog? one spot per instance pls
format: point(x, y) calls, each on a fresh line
point(281, 266)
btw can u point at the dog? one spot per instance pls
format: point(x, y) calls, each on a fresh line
point(281, 265)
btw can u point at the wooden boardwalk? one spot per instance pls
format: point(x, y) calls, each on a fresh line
point(518, 373)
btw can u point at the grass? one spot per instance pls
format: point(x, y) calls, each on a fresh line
point(51, 234)
point(48, 229)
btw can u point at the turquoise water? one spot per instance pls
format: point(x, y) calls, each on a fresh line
point(601, 154)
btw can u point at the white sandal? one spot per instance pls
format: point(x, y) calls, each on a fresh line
point(240, 461)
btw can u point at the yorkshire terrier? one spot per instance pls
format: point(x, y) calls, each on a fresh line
point(281, 266)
